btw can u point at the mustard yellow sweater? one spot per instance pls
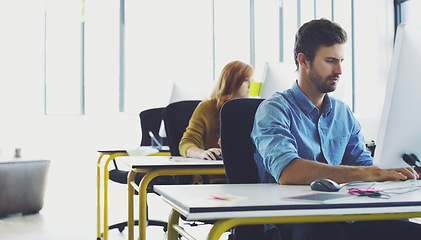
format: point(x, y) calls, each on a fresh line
point(203, 128)
point(203, 132)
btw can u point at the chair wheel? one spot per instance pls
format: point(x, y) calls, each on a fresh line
point(165, 228)
point(121, 229)
point(193, 224)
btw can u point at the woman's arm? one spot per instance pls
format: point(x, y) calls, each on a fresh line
point(200, 138)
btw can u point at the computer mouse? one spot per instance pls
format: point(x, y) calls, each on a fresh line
point(325, 185)
point(217, 156)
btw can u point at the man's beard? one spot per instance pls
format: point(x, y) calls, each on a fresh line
point(322, 84)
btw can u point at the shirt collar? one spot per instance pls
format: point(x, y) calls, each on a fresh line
point(305, 104)
point(327, 105)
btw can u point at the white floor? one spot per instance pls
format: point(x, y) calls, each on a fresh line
point(69, 210)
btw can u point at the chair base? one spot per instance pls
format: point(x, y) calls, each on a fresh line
point(122, 225)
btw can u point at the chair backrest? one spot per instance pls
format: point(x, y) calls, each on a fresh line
point(150, 120)
point(237, 118)
point(176, 119)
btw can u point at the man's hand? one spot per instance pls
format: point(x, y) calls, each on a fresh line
point(375, 174)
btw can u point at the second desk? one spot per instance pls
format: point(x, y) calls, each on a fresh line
point(155, 166)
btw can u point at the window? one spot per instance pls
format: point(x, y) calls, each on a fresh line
point(167, 42)
point(63, 57)
point(105, 57)
point(22, 62)
point(277, 23)
point(232, 32)
point(101, 57)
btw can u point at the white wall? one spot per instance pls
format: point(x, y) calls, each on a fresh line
point(56, 137)
point(22, 122)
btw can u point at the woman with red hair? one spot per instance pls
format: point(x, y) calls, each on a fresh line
point(201, 139)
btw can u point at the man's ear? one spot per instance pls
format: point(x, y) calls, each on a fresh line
point(303, 61)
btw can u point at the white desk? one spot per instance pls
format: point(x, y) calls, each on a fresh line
point(266, 203)
point(155, 166)
point(112, 154)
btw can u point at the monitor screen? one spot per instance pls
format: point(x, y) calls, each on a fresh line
point(400, 123)
point(277, 77)
point(191, 90)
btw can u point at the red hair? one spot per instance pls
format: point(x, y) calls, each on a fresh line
point(232, 77)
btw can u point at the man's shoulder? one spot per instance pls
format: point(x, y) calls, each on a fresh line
point(339, 104)
point(336, 101)
point(277, 105)
point(278, 99)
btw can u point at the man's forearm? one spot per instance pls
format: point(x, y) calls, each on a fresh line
point(301, 171)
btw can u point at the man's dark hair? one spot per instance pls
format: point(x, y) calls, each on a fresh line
point(316, 33)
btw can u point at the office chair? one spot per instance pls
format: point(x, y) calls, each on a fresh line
point(176, 119)
point(237, 118)
point(150, 120)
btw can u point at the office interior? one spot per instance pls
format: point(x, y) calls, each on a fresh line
point(76, 74)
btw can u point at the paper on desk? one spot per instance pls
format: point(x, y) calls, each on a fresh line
point(388, 187)
point(142, 151)
point(228, 197)
point(397, 186)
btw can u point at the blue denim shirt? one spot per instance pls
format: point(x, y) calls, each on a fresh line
point(287, 126)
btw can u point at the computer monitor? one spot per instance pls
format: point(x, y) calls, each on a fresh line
point(400, 123)
point(188, 90)
point(191, 90)
point(277, 77)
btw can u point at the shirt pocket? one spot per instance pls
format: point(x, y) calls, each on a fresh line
point(334, 149)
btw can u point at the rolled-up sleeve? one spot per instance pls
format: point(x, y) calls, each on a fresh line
point(272, 137)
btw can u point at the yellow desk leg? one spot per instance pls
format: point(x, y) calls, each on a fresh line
point(98, 197)
point(130, 220)
point(219, 228)
point(106, 177)
point(173, 219)
point(160, 154)
point(143, 194)
point(150, 175)
point(222, 226)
